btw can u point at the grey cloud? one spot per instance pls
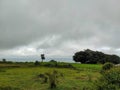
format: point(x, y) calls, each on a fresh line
point(90, 23)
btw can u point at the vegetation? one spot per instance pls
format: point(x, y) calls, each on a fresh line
point(107, 66)
point(110, 79)
point(58, 76)
point(42, 57)
point(37, 63)
point(4, 60)
point(27, 76)
point(94, 57)
point(52, 77)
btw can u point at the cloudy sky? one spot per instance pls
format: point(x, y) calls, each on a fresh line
point(58, 28)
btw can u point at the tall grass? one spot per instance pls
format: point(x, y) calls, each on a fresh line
point(24, 78)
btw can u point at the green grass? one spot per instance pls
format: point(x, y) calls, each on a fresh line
point(88, 66)
point(25, 78)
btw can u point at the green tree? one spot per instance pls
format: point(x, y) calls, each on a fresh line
point(4, 60)
point(37, 63)
point(93, 57)
point(42, 57)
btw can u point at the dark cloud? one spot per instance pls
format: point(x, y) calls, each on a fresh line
point(63, 24)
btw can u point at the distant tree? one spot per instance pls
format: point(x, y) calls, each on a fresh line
point(114, 59)
point(4, 60)
point(36, 63)
point(53, 61)
point(42, 57)
point(93, 57)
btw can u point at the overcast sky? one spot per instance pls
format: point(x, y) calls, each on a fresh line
point(59, 27)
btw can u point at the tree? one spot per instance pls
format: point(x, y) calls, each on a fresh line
point(36, 63)
point(42, 57)
point(4, 60)
point(93, 57)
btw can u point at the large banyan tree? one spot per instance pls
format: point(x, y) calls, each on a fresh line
point(93, 57)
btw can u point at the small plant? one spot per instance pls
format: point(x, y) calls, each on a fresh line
point(52, 78)
point(44, 77)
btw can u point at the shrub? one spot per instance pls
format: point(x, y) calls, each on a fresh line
point(59, 65)
point(103, 85)
point(51, 64)
point(110, 80)
point(53, 61)
point(113, 76)
point(51, 77)
point(43, 77)
point(64, 65)
point(107, 66)
point(36, 63)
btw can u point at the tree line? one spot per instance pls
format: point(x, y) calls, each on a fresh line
point(94, 57)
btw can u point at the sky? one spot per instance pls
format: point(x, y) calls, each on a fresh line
point(58, 28)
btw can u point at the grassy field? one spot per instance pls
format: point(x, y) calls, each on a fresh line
point(25, 78)
point(92, 67)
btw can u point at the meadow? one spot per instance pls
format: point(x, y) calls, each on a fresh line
point(24, 76)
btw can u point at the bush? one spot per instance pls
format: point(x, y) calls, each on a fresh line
point(51, 64)
point(51, 78)
point(36, 63)
point(103, 85)
point(53, 61)
point(59, 65)
point(43, 77)
point(113, 76)
point(110, 80)
point(107, 66)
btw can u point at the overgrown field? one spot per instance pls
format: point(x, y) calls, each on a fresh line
point(82, 77)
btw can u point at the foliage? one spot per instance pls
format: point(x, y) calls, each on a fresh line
point(4, 60)
point(42, 57)
point(107, 66)
point(58, 65)
point(9, 88)
point(52, 77)
point(110, 80)
point(51, 64)
point(37, 63)
point(44, 77)
point(103, 85)
point(93, 57)
point(24, 77)
point(53, 61)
